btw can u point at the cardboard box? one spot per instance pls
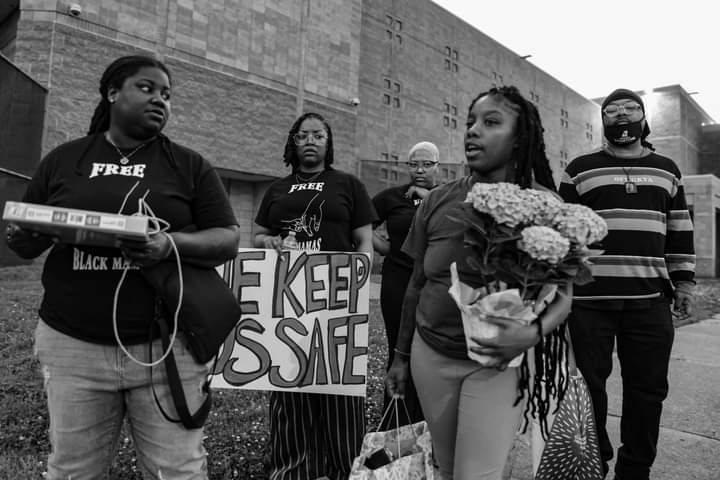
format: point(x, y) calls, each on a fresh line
point(80, 227)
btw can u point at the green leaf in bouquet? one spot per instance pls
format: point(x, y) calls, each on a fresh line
point(485, 269)
point(569, 270)
point(473, 237)
point(509, 232)
point(583, 276)
point(515, 270)
point(539, 271)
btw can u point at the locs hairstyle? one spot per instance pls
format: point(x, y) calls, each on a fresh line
point(114, 76)
point(290, 157)
point(528, 156)
point(530, 162)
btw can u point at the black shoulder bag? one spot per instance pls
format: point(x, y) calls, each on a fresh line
point(208, 313)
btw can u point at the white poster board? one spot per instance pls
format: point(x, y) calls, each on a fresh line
point(304, 326)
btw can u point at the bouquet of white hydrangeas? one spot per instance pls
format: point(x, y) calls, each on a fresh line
point(525, 242)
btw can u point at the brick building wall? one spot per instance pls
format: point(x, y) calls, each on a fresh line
point(8, 33)
point(236, 70)
point(22, 104)
point(676, 123)
point(420, 68)
point(710, 149)
point(243, 69)
point(703, 196)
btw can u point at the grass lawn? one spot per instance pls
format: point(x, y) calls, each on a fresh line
point(237, 431)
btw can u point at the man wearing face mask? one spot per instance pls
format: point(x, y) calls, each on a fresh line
point(646, 268)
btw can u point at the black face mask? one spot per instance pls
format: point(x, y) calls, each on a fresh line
point(622, 135)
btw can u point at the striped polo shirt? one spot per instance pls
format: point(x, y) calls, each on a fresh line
point(649, 246)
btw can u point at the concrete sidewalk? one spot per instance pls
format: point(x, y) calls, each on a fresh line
point(689, 445)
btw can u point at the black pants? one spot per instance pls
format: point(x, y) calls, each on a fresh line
point(395, 280)
point(644, 340)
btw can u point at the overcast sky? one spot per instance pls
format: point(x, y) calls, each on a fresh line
point(595, 47)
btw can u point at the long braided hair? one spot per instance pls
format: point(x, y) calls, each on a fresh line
point(114, 76)
point(290, 156)
point(530, 163)
point(528, 157)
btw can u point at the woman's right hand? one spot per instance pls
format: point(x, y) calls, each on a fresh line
point(27, 243)
point(397, 376)
point(273, 242)
point(16, 235)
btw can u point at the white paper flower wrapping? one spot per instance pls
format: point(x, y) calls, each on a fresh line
point(476, 305)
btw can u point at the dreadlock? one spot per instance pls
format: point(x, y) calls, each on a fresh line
point(528, 158)
point(290, 156)
point(114, 76)
point(530, 163)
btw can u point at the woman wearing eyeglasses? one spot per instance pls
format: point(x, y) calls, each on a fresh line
point(315, 435)
point(396, 207)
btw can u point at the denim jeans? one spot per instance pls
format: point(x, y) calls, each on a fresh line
point(91, 388)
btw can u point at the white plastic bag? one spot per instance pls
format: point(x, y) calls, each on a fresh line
point(410, 450)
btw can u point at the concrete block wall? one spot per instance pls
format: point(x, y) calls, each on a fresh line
point(419, 64)
point(8, 33)
point(243, 199)
point(22, 105)
point(235, 123)
point(703, 196)
point(676, 127)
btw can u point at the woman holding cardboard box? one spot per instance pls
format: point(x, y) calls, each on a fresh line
point(91, 385)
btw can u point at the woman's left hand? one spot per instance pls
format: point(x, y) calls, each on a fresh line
point(146, 253)
point(512, 339)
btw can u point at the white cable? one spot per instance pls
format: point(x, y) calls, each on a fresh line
point(127, 195)
point(144, 207)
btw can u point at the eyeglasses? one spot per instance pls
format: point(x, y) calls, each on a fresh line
point(302, 138)
point(424, 165)
point(628, 108)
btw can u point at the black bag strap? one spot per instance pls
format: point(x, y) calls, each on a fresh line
point(188, 420)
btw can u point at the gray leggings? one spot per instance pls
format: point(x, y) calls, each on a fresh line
point(469, 410)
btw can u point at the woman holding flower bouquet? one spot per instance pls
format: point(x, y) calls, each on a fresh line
point(473, 411)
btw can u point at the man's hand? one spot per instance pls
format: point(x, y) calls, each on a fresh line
point(683, 300)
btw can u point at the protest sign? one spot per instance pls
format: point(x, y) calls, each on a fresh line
point(304, 325)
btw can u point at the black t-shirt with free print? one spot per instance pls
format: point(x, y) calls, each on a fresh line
point(178, 184)
point(397, 211)
point(322, 212)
